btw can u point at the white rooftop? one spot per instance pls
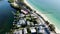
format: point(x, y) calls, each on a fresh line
point(25, 30)
point(22, 21)
point(33, 30)
point(28, 23)
point(24, 11)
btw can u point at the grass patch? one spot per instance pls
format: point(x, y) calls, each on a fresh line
point(10, 1)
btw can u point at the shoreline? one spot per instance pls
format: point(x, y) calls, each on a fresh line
point(56, 29)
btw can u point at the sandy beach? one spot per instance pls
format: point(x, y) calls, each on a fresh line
point(44, 16)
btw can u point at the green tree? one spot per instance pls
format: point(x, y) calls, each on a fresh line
point(52, 28)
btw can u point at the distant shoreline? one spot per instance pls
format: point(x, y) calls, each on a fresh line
point(56, 29)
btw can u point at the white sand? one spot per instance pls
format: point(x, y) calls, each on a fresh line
point(25, 1)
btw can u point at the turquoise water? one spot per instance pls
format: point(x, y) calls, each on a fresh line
point(51, 8)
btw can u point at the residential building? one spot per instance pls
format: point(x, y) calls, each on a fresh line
point(33, 30)
point(25, 31)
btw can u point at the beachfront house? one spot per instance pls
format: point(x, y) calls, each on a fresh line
point(47, 30)
point(43, 30)
point(35, 16)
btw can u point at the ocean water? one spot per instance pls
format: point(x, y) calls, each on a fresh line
point(50, 8)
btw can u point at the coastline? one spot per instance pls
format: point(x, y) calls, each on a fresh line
point(56, 29)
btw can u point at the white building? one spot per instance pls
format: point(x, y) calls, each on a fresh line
point(25, 31)
point(28, 23)
point(18, 24)
point(21, 22)
point(33, 30)
point(42, 30)
point(24, 11)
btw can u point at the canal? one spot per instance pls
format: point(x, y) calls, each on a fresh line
point(6, 16)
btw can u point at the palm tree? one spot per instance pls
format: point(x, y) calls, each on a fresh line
point(51, 27)
point(47, 22)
